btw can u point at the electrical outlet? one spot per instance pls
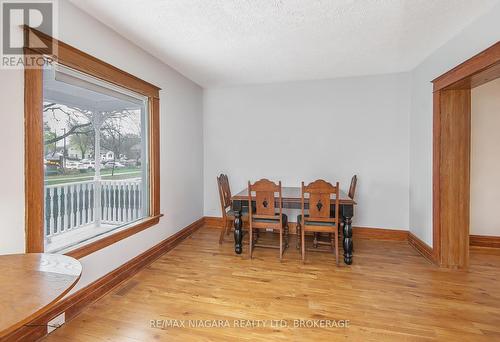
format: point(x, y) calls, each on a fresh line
point(56, 322)
point(269, 230)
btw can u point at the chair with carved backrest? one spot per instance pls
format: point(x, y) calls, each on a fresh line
point(352, 193)
point(316, 240)
point(268, 213)
point(352, 188)
point(320, 217)
point(225, 202)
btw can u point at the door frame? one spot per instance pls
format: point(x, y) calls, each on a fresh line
point(451, 154)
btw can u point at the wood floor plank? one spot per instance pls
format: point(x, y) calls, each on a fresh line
point(390, 293)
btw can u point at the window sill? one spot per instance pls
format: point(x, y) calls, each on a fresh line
point(80, 251)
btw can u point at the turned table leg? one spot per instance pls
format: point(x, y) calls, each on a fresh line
point(347, 243)
point(238, 232)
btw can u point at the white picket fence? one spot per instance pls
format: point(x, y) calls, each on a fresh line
point(71, 206)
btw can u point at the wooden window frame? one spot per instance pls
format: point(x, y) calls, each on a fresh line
point(33, 111)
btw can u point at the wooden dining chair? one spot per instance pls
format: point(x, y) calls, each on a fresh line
point(352, 194)
point(352, 187)
point(320, 218)
point(225, 203)
point(268, 213)
point(316, 236)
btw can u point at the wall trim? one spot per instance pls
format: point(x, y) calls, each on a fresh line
point(380, 233)
point(484, 241)
point(75, 303)
point(213, 221)
point(424, 249)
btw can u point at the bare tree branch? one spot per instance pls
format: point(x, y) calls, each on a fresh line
point(71, 131)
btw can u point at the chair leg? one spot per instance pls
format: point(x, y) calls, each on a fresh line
point(303, 244)
point(281, 244)
point(228, 228)
point(251, 242)
point(287, 235)
point(336, 238)
point(298, 234)
point(223, 230)
point(315, 240)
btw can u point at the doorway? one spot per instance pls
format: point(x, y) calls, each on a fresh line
point(451, 155)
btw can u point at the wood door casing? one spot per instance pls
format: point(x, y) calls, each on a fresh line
point(455, 116)
point(451, 154)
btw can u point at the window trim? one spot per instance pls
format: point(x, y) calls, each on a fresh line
point(34, 171)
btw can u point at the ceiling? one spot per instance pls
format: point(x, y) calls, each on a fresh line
point(224, 42)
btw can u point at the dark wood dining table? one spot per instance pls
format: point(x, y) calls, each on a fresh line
point(291, 197)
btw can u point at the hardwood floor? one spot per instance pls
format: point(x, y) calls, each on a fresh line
point(390, 293)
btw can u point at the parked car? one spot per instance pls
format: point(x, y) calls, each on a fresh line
point(115, 164)
point(129, 162)
point(72, 165)
point(86, 165)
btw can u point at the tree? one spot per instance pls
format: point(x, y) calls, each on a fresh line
point(75, 116)
point(129, 145)
point(83, 142)
point(117, 137)
point(79, 121)
point(115, 127)
point(48, 135)
point(111, 138)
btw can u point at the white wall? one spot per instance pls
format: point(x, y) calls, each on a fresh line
point(485, 160)
point(478, 36)
point(12, 172)
point(181, 143)
point(302, 131)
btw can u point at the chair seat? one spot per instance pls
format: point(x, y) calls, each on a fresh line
point(314, 223)
point(284, 219)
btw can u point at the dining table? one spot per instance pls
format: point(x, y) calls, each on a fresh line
point(292, 199)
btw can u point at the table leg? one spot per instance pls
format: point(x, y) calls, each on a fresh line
point(347, 243)
point(238, 232)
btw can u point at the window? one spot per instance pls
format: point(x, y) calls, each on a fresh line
point(95, 157)
point(92, 160)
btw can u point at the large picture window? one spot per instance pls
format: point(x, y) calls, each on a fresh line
point(95, 157)
point(91, 153)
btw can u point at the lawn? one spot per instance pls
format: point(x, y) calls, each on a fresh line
point(75, 177)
